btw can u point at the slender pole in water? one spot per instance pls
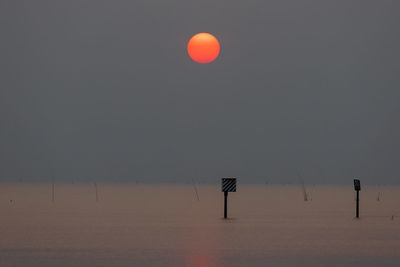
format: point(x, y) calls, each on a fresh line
point(358, 205)
point(305, 195)
point(52, 191)
point(225, 204)
point(195, 189)
point(97, 194)
point(357, 187)
point(378, 198)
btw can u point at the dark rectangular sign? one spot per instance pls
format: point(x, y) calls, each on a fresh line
point(357, 185)
point(228, 184)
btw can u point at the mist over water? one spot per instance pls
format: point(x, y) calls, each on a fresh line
point(165, 225)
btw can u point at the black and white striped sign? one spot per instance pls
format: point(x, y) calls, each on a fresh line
point(357, 185)
point(228, 184)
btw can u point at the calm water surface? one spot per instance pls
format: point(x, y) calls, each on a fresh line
point(165, 225)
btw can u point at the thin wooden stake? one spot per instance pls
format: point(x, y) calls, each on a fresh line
point(97, 194)
point(195, 189)
point(52, 191)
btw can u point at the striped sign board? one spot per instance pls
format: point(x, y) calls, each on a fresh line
point(228, 184)
point(357, 185)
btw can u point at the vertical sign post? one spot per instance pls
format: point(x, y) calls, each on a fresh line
point(228, 185)
point(357, 187)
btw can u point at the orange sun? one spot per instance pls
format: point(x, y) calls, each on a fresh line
point(203, 47)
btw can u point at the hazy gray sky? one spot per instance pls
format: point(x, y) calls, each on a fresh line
point(105, 90)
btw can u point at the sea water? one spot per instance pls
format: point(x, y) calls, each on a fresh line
point(166, 225)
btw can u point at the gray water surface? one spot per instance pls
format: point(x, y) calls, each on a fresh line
point(165, 225)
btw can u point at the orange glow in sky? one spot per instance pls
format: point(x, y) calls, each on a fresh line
point(203, 48)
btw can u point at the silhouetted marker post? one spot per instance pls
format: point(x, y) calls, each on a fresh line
point(357, 187)
point(228, 185)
